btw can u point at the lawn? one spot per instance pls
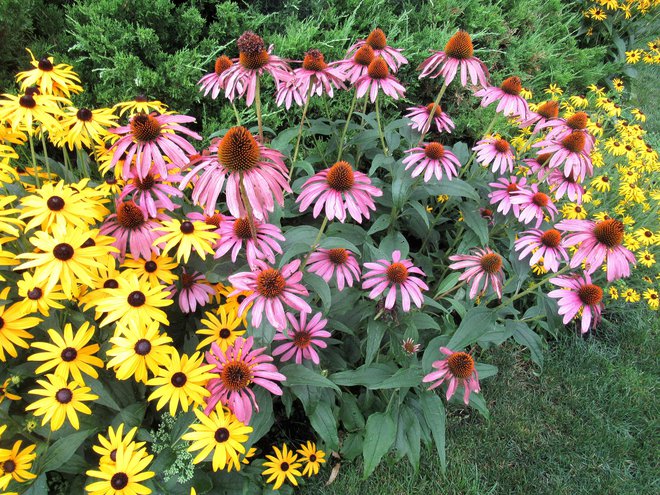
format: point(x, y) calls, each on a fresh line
point(585, 424)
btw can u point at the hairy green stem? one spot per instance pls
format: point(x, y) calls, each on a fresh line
point(380, 127)
point(315, 244)
point(427, 125)
point(257, 103)
point(348, 120)
point(300, 130)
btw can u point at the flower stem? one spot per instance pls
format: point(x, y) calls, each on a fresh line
point(300, 129)
point(380, 127)
point(474, 153)
point(533, 287)
point(236, 114)
point(427, 125)
point(348, 120)
point(34, 160)
point(257, 102)
point(43, 144)
point(315, 244)
point(248, 207)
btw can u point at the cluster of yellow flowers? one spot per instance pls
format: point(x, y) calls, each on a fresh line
point(624, 185)
point(600, 10)
point(650, 56)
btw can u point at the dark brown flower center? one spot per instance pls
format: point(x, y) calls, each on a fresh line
point(302, 339)
point(222, 63)
point(214, 220)
point(253, 61)
point(88, 243)
point(187, 280)
point(270, 283)
point(187, 227)
point(543, 158)
point(110, 284)
point(150, 266)
point(551, 238)
point(430, 108)
point(461, 365)
point(9, 466)
point(549, 109)
point(578, 121)
point(35, 294)
point(491, 263)
point(224, 333)
point(434, 151)
point(27, 101)
point(238, 150)
point(63, 252)
point(312, 458)
point(84, 114)
point(512, 86)
point(284, 467)
point(609, 232)
point(314, 60)
point(119, 481)
point(501, 146)
point(574, 142)
point(378, 69)
point(540, 199)
point(236, 375)
point(145, 128)
point(590, 294)
point(252, 52)
point(69, 354)
point(130, 216)
point(113, 455)
point(136, 299)
point(142, 347)
point(45, 65)
point(397, 273)
point(144, 184)
point(242, 228)
point(513, 187)
point(55, 203)
point(377, 39)
point(179, 379)
point(460, 46)
point(338, 256)
point(364, 56)
point(221, 435)
point(341, 176)
point(64, 396)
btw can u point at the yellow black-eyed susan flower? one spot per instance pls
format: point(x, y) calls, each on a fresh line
point(282, 466)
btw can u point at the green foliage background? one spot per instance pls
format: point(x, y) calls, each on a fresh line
point(161, 48)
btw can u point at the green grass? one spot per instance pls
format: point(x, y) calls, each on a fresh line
point(586, 424)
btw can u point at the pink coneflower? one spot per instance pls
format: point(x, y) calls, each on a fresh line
point(457, 368)
point(432, 159)
point(238, 367)
point(215, 219)
point(133, 229)
point(315, 72)
point(240, 155)
point(338, 262)
point(539, 165)
point(561, 128)
point(496, 151)
point(458, 54)
point(339, 188)
point(504, 189)
point(508, 96)
point(395, 276)
point(151, 138)
point(409, 346)
point(533, 205)
point(578, 294)
point(213, 82)
point(356, 66)
point(599, 242)
point(561, 185)
point(195, 291)
point(571, 152)
point(302, 340)
point(235, 231)
point(378, 77)
point(152, 192)
point(271, 289)
point(253, 60)
point(378, 42)
point(419, 116)
point(542, 244)
point(289, 90)
point(484, 266)
point(545, 113)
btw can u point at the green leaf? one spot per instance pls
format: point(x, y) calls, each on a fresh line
point(263, 420)
point(352, 445)
point(319, 287)
point(436, 418)
point(423, 321)
point(479, 403)
point(394, 241)
point(476, 223)
point(364, 376)
point(381, 161)
point(131, 416)
point(324, 423)
point(529, 338)
point(409, 377)
point(283, 139)
point(338, 242)
point(304, 234)
point(375, 332)
point(378, 438)
point(476, 323)
point(454, 188)
point(461, 151)
point(449, 282)
point(297, 374)
point(105, 398)
point(61, 451)
point(181, 425)
point(381, 223)
point(409, 436)
point(39, 487)
point(421, 212)
point(485, 370)
point(350, 413)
